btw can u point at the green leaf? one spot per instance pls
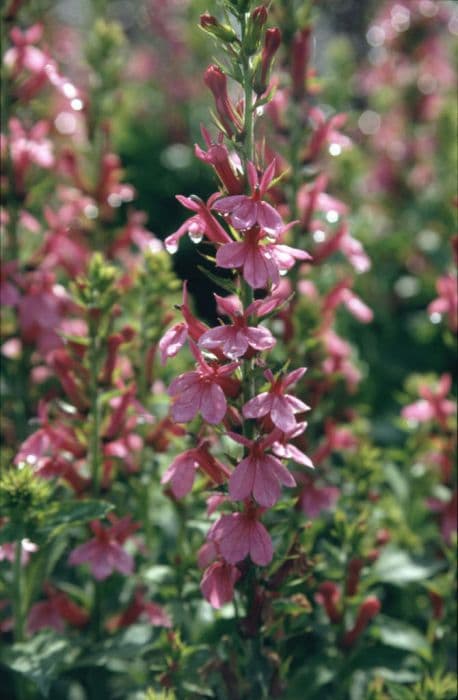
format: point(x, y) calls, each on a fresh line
point(397, 567)
point(222, 282)
point(42, 659)
point(400, 635)
point(61, 515)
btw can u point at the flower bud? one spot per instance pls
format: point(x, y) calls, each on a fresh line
point(272, 42)
point(221, 31)
point(354, 571)
point(215, 80)
point(368, 610)
point(256, 22)
point(300, 57)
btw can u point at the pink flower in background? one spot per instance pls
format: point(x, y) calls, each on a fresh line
point(447, 301)
point(315, 499)
point(103, 553)
point(342, 294)
point(218, 583)
point(235, 339)
point(350, 247)
point(433, 405)
point(7, 550)
point(281, 407)
point(285, 450)
point(241, 534)
point(55, 611)
point(202, 391)
point(140, 609)
point(246, 212)
point(261, 263)
point(259, 474)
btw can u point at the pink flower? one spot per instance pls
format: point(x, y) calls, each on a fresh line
point(202, 391)
point(173, 340)
point(285, 450)
point(279, 406)
point(447, 301)
point(258, 474)
point(246, 212)
point(433, 405)
point(314, 499)
point(261, 263)
point(218, 156)
point(7, 551)
point(183, 469)
point(241, 534)
point(59, 608)
point(235, 339)
point(342, 294)
point(350, 247)
point(103, 553)
point(201, 224)
point(218, 582)
point(326, 130)
point(139, 609)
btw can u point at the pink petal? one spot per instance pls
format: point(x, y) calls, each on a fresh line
point(266, 488)
point(269, 219)
point(183, 382)
point(186, 405)
point(231, 255)
point(226, 205)
point(242, 479)
point(259, 406)
point(245, 215)
point(172, 341)
point(267, 177)
point(260, 338)
point(255, 268)
point(213, 405)
point(261, 550)
point(282, 414)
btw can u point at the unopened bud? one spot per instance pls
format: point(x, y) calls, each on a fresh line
point(300, 58)
point(210, 24)
point(272, 42)
point(257, 20)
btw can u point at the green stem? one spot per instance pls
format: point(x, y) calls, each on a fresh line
point(94, 442)
point(17, 594)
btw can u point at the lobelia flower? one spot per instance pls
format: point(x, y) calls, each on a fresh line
point(55, 611)
point(203, 391)
point(350, 247)
point(218, 583)
point(8, 549)
point(328, 596)
point(447, 301)
point(315, 499)
point(245, 212)
point(173, 340)
point(203, 223)
point(433, 405)
point(275, 403)
point(241, 534)
point(140, 609)
point(261, 263)
point(342, 294)
point(326, 130)
point(103, 553)
point(182, 471)
point(259, 474)
point(285, 450)
point(218, 156)
point(235, 339)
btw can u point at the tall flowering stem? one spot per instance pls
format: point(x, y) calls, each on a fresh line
point(247, 232)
